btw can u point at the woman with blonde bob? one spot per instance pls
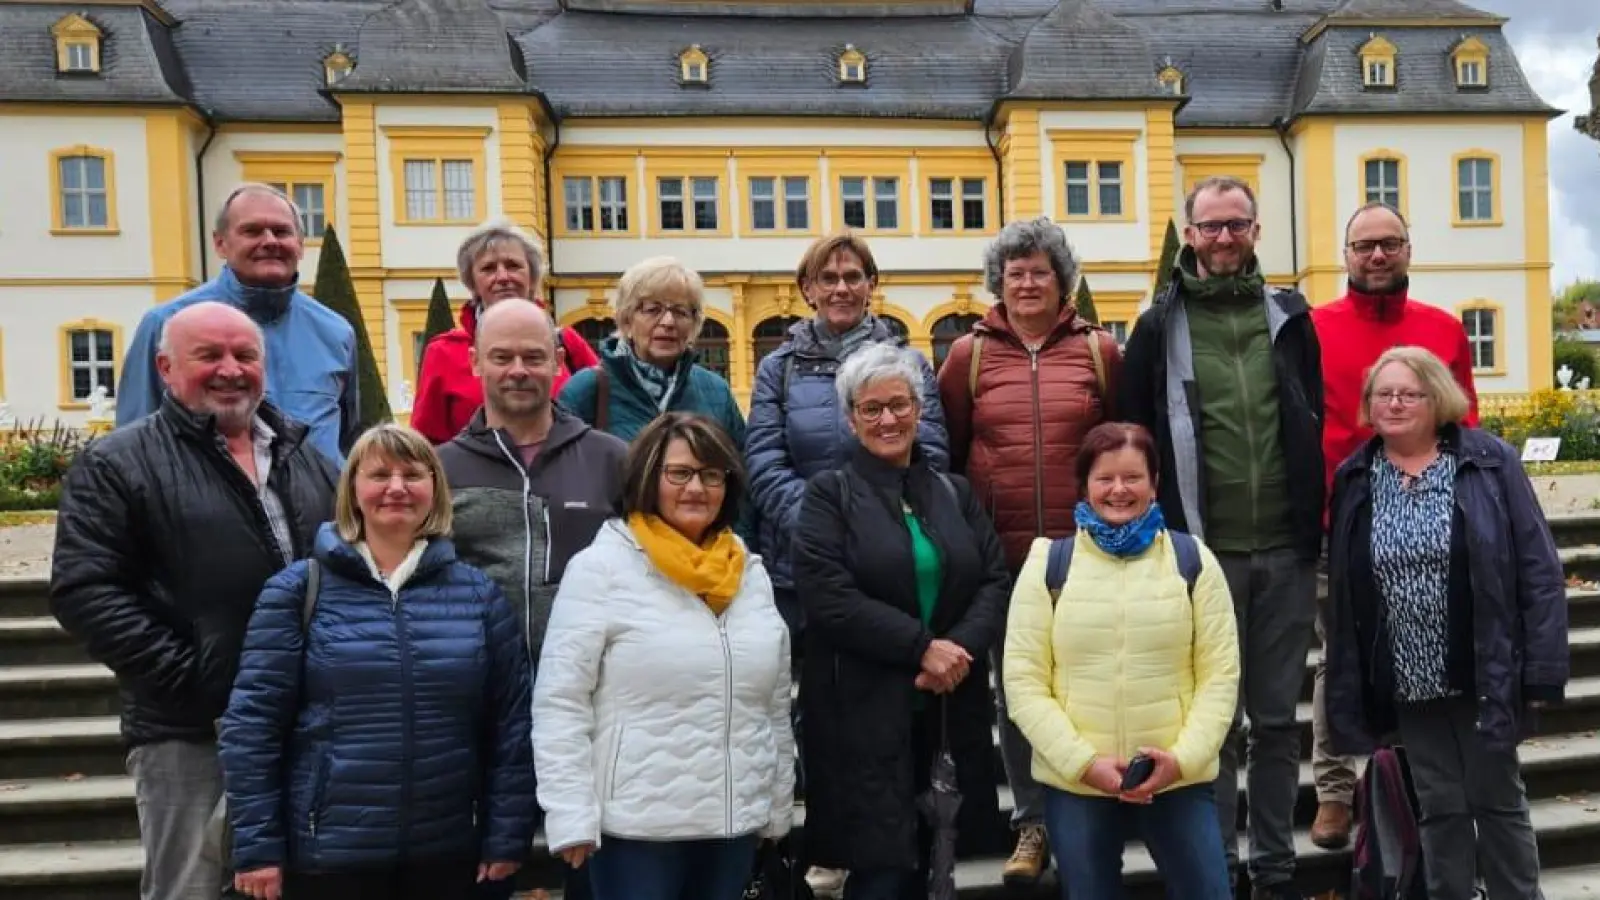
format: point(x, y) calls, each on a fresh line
point(377, 739)
point(1447, 620)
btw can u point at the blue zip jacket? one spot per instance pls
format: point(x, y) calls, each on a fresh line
point(311, 359)
point(396, 727)
point(797, 429)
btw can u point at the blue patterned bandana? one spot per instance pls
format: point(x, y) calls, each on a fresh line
point(1128, 539)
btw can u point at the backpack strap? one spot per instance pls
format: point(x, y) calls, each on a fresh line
point(313, 587)
point(783, 383)
point(1184, 546)
point(1099, 360)
point(602, 397)
point(1187, 549)
point(973, 368)
point(949, 488)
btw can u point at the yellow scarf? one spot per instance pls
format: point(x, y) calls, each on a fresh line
point(711, 570)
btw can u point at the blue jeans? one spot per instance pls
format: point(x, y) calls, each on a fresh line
point(1180, 828)
point(715, 869)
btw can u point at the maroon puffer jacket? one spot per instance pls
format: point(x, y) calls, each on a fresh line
point(1018, 439)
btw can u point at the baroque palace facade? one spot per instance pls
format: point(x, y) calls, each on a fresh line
point(730, 133)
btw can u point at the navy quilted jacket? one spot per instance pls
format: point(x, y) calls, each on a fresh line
point(797, 430)
point(395, 727)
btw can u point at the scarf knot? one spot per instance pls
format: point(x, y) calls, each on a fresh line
point(1128, 539)
point(711, 570)
point(656, 381)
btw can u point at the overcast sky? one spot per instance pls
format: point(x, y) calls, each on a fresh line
point(1555, 42)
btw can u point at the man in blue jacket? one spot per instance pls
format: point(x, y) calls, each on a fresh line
point(311, 350)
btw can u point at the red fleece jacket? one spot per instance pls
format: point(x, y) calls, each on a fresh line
point(1354, 331)
point(448, 393)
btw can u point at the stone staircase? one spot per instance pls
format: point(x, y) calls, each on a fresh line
point(69, 831)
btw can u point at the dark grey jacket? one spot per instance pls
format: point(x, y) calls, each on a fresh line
point(522, 526)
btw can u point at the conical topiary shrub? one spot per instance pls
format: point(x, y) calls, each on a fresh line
point(336, 291)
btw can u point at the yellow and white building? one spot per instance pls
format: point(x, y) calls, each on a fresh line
point(730, 134)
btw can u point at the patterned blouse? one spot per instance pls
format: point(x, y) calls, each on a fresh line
point(1411, 524)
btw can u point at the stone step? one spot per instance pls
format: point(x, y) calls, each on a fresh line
point(53, 748)
point(57, 691)
point(38, 640)
point(24, 596)
point(75, 808)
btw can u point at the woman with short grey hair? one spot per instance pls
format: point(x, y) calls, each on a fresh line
point(497, 261)
point(894, 666)
point(1024, 388)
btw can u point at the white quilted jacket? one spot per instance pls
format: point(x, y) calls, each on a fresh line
point(654, 719)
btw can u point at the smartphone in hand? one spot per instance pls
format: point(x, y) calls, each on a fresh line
point(1139, 770)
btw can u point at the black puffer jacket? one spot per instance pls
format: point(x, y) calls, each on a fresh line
point(866, 751)
point(162, 546)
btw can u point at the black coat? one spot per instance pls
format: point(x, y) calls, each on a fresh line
point(1508, 622)
point(864, 640)
point(162, 546)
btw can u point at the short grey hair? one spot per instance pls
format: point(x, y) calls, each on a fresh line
point(492, 235)
point(224, 214)
point(650, 279)
point(1022, 239)
point(874, 363)
point(1221, 184)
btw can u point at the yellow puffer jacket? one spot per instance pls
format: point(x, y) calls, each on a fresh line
point(1124, 660)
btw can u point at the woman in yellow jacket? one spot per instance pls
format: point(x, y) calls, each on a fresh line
point(1125, 682)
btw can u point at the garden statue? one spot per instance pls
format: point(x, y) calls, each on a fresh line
point(7, 420)
point(404, 404)
point(1590, 124)
point(101, 407)
point(1564, 376)
point(1583, 383)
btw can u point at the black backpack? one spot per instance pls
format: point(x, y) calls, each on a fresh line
point(1060, 560)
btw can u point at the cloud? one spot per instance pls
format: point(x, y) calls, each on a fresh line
point(1555, 43)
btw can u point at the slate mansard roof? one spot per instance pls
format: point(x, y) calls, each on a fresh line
point(1244, 62)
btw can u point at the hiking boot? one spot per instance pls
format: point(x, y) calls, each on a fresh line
point(1028, 861)
point(827, 884)
point(1331, 830)
point(1283, 890)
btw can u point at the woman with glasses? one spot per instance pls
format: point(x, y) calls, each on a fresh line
point(1020, 393)
point(904, 583)
point(1447, 621)
point(662, 740)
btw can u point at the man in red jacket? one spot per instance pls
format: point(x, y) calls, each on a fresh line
point(1375, 313)
point(497, 261)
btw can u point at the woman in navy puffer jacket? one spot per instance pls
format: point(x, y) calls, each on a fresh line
point(382, 748)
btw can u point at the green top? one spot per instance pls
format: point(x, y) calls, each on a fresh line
point(930, 568)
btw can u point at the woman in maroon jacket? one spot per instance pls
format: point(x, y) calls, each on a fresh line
point(497, 261)
point(1024, 389)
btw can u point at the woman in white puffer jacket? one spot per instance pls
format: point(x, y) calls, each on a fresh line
point(661, 730)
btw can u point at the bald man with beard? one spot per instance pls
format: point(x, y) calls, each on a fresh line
point(168, 529)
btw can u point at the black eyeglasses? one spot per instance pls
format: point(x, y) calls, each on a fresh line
point(1389, 246)
point(899, 407)
point(682, 475)
point(1235, 227)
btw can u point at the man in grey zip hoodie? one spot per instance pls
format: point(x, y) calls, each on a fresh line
point(531, 483)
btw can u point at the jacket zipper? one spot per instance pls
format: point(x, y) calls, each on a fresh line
point(1249, 425)
point(527, 546)
point(1038, 447)
point(407, 702)
point(727, 719)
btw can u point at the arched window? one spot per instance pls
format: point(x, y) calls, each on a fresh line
point(596, 330)
point(713, 347)
point(900, 329)
point(770, 334)
point(945, 332)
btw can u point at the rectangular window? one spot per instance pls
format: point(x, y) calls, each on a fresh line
point(460, 203)
point(422, 190)
point(1378, 73)
point(796, 203)
point(1479, 325)
point(92, 363)
point(670, 192)
point(973, 212)
point(1110, 188)
point(1078, 189)
point(1119, 331)
point(853, 197)
point(1475, 187)
point(80, 57)
point(1383, 181)
point(83, 192)
point(763, 204)
point(705, 204)
point(579, 196)
point(886, 205)
point(942, 204)
point(313, 209)
point(1471, 73)
point(613, 203)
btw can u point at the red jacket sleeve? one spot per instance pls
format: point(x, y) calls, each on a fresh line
point(955, 394)
point(1461, 368)
point(579, 354)
point(430, 408)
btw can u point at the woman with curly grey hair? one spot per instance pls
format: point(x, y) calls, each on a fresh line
point(1027, 386)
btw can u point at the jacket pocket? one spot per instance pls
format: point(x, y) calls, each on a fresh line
point(319, 787)
point(616, 761)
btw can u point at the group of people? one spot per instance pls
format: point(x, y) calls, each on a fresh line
point(585, 588)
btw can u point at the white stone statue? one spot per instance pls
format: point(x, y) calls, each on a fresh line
point(1564, 376)
point(7, 420)
point(1583, 383)
point(403, 404)
point(101, 407)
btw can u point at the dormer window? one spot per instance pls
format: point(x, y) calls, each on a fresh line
point(852, 66)
point(1471, 60)
point(1378, 63)
point(693, 66)
point(1171, 79)
point(77, 45)
point(336, 66)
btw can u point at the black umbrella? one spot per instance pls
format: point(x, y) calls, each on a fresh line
point(940, 804)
